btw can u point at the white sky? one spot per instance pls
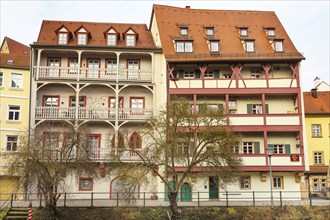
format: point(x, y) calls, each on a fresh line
point(306, 22)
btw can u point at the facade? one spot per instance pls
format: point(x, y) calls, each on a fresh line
point(317, 121)
point(80, 70)
point(245, 62)
point(14, 106)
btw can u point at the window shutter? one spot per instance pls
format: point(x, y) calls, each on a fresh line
point(271, 146)
point(191, 148)
point(256, 147)
point(181, 74)
point(287, 148)
point(197, 74)
point(267, 109)
point(216, 73)
point(249, 108)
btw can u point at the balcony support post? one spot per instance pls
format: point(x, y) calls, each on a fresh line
point(116, 116)
point(38, 63)
point(77, 104)
point(267, 68)
point(79, 64)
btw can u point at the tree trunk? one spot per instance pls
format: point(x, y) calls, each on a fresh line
point(51, 202)
point(173, 204)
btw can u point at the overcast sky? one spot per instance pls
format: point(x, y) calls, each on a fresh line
point(306, 22)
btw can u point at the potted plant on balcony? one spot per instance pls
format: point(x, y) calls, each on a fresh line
point(154, 196)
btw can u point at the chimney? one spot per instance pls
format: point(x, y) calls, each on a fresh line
point(314, 93)
point(317, 81)
point(187, 7)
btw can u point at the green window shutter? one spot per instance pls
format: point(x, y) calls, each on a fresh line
point(267, 109)
point(287, 148)
point(256, 147)
point(249, 108)
point(271, 146)
point(197, 74)
point(216, 73)
point(181, 74)
point(191, 148)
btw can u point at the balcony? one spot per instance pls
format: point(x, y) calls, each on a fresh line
point(104, 74)
point(106, 154)
point(89, 113)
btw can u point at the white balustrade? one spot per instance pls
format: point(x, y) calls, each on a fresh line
point(55, 112)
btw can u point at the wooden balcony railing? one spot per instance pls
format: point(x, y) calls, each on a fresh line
point(92, 113)
point(104, 154)
point(76, 73)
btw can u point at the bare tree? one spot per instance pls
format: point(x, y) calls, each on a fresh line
point(47, 154)
point(181, 136)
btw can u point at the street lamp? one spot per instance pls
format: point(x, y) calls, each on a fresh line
point(269, 152)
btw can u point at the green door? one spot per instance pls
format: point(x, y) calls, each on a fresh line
point(171, 186)
point(185, 193)
point(213, 187)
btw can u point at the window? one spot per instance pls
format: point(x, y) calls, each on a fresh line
point(135, 141)
point(243, 31)
point(182, 46)
point(133, 67)
point(112, 67)
point(209, 31)
point(323, 183)
point(184, 31)
point(236, 149)
point(94, 141)
point(245, 182)
point(130, 40)
point(247, 147)
point(51, 141)
point(183, 148)
point(227, 75)
point(232, 111)
point(82, 39)
point(73, 64)
point(1, 79)
point(278, 182)
point(214, 46)
point(51, 101)
point(232, 104)
point(255, 74)
point(249, 46)
point(316, 130)
point(85, 183)
point(278, 148)
point(62, 38)
point(209, 75)
point(112, 40)
point(256, 109)
point(278, 45)
point(137, 104)
point(16, 80)
point(81, 103)
point(189, 75)
point(112, 101)
point(316, 186)
point(11, 143)
point(270, 32)
point(14, 112)
point(318, 158)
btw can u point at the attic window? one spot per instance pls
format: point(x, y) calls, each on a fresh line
point(209, 31)
point(278, 45)
point(10, 62)
point(184, 46)
point(82, 39)
point(111, 39)
point(130, 40)
point(63, 38)
point(249, 46)
point(270, 32)
point(243, 31)
point(214, 46)
point(183, 31)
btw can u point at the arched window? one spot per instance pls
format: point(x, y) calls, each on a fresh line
point(120, 141)
point(135, 141)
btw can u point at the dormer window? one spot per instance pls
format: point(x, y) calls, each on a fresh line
point(270, 32)
point(130, 40)
point(243, 32)
point(249, 46)
point(62, 38)
point(209, 31)
point(184, 46)
point(111, 39)
point(112, 36)
point(183, 31)
point(214, 46)
point(82, 39)
point(278, 46)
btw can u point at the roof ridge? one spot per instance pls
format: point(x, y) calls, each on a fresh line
point(92, 22)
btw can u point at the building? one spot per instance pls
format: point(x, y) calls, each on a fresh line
point(80, 70)
point(246, 62)
point(321, 85)
point(317, 122)
point(14, 106)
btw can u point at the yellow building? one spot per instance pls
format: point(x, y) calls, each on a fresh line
point(14, 106)
point(317, 120)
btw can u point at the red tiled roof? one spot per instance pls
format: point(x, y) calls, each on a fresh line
point(226, 24)
point(16, 47)
point(48, 35)
point(319, 105)
point(19, 61)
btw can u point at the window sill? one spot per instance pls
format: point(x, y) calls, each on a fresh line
point(318, 164)
point(317, 137)
point(13, 122)
point(16, 89)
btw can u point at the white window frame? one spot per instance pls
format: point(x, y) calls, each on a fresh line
point(112, 39)
point(73, 65)
point(249, 46)
point(130, 40)
point(278, 46)
point(183, 31)
point(316, 185)
point(243, 31)
point(278, 182)
point(62, 38)
point(227, 75)
point(232, 104)
point(256, 109)
point(323, 183)
point(1, 79)
point(248, 148)
point(278, 149)
point(208, 75)
point(183, 148)
point(318, 157)
point(245, 182)
point(16, 78)
point(15, 112)
point(214, 46)
point(82, 39)
point(138, 103)
point(209, 31)
point(184, 46)
point(189, 75)
point(188, 47)
point(270, 32)
point(236, 149)
point(12, 143)
point(255, 74)
point(111, 66)
point(316, 130)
